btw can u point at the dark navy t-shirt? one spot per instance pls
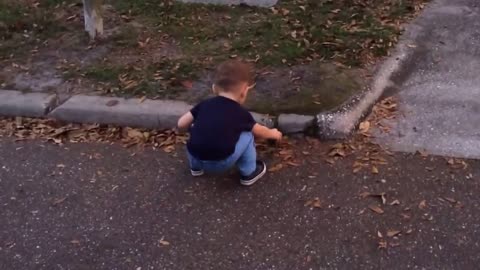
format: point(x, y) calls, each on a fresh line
point(216, 128)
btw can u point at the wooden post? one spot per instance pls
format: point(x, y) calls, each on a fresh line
point(93, 17)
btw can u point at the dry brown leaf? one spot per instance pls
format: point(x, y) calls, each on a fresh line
point(357, 169)
point(376, 209)
point(374, 170)
point(187, 84)
point(134, 133)
point(395, 202)
point(294, 164)
point(164, 242)
point(364, 126)
point(330, 161)
point(276, 167)
point(392, 233)
point(365, 194)
point(423, 153)
point(381, 196)
point(422, 205)
point(59, 201)
point(315, 203)
point(382, 244)
point(337, 152)
point(169, 149)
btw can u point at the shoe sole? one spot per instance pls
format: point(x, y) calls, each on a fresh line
point(197, 173)
point(251, 182)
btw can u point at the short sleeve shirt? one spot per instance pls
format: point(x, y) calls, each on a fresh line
point(217, 125)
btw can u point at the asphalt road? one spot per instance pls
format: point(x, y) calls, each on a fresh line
point(438, 88)
point(100, 206)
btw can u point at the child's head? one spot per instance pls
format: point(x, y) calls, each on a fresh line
point(234, 78)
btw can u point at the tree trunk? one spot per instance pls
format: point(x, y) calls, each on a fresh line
point(93, 17)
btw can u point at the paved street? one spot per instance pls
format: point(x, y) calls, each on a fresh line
point(438, 89)
point(101, 206)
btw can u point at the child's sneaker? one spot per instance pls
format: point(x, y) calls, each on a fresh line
point(196, 173)
point(257, 174)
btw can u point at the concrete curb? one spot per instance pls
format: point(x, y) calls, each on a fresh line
point(16, 103)
point(341, 122)
point(119, 111)
point(154, 114)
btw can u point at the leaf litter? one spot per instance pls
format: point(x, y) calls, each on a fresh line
point(59, 133)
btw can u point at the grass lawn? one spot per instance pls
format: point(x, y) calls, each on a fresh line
point(348, 34)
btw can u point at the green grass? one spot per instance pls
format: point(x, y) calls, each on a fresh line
point(11, 16)
point(295, 30)
point(103, 73)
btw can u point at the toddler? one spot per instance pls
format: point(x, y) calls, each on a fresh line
point(222, 132)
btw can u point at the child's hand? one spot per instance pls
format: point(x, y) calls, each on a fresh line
point(276, 135)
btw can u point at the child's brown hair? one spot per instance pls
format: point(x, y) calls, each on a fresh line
point(231, 74)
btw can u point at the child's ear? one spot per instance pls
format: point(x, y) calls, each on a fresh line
point(213, 89)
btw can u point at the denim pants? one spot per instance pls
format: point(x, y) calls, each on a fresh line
point(244, 157)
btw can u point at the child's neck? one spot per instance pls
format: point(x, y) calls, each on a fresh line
point(229, 96)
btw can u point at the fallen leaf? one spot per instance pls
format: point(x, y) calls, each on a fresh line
point(395, 202)
point(422, 204)
point(187, 84)
point(381, 196)
point(275, 168)
point(59, 201)
point(374, 170)
point(357, 169)
point(163, 242)
point(142, 99)
point(315, 203)
point(169, 149)
point(379, 233)
point(376, 209)
point(330, 161)
point(365, 194)
point(451, 200)
point(75, 242)
point(134, 134)
point(422, 153)
point(382, 244)
point(294, 164)
point(60, 166)
point(337, 152)
point(112, 103)
point(392, 233)
point(364, 126)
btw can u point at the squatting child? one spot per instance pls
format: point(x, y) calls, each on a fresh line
point(222, 132)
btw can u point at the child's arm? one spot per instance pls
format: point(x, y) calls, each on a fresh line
point(263, 132)
point(185, 121)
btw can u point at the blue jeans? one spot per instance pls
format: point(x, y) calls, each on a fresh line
point(244, 156)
